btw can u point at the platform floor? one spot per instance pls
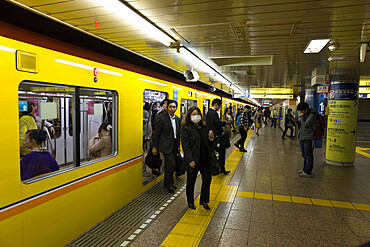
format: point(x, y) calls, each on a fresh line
point(263, 202)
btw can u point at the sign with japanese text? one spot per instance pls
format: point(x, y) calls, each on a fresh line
point(323, 89)
point(342, 123)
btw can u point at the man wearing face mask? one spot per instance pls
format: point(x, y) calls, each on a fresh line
point(166, 139)
point(214, 123)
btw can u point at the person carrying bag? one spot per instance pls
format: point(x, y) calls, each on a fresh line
point(195, 141)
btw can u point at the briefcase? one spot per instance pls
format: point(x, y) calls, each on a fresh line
point(221, 141)
point(180, 164)
point(152, 161)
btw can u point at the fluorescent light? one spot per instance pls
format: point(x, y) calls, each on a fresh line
point(335, 58)
point(83, 66)
point(179, 88)
point(4, 48)
point(316, 45)
point(154, 82)
point(136, 20)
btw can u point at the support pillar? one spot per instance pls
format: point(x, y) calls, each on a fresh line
point(342, 120)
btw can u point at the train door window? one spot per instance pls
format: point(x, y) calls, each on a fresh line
point(186, 104)
point(41, 106)
point(96, 128)
point(206, 103)
point(151, 107)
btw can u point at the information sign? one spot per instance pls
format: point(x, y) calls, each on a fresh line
point(323, 89)
point(342, 123)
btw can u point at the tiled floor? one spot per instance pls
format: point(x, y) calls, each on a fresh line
point(270, 167)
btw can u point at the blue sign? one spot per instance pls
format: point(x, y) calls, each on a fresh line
point(175, 95)
point(22, 105)
point(343, 91)
point(240, 96)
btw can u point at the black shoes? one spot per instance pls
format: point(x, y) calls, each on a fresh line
point(226, 172)
point(205, 205)
point(191, 206)
point(172, 189)
point(283, 138)
point(243, 150)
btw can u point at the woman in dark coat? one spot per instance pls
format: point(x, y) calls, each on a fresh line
point(194, 139)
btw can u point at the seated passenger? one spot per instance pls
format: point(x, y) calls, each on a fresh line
point(104, 146)
point(39, 160)
point(26, 122)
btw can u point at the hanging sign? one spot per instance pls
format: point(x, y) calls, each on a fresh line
point(323, 89)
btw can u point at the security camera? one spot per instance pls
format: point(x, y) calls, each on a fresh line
point(333, 45)
point(212, 88)
point(191, 75)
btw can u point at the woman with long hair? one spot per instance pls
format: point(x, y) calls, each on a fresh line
point(194, 139)
point(228, 119)
point(103, 146)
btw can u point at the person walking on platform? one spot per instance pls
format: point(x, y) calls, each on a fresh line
point(166, 139)
point(258, 120)
point(245, 124)
point(214, 123)
point(308, 125)
point(289, 123)
point(273, 117)
point(266, 114)
point(194, 139)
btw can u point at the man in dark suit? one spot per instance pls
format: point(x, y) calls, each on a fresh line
point(166, 139)
point(214, 123)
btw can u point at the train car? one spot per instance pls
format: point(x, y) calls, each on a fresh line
point(75, 95)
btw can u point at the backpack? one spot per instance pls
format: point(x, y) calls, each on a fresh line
point(237, 122)
point(320, 130)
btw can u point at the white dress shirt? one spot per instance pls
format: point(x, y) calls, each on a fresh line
point(173, 122)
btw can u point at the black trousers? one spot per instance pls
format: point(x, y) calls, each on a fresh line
point(243, 137)
point(170, 166)
point(221, 158)
point(286, 130)
point(191, 178)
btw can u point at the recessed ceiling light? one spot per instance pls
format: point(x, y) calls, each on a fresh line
point(316, 45)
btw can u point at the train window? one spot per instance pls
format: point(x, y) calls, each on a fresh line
point(52, 108)
point(96, 111)
point(186, 104)
point(205, 108)
point(151, 107)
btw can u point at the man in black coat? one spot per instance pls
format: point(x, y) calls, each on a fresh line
point(166, 139)
point(214, 123)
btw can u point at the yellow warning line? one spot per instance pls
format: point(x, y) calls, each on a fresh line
point(304, 200)
point(361, 150)
point(192, 226)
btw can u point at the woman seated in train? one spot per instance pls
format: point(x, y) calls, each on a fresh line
point(39, 160)
point(103, 146)
point(26, 122)
point(195, 143)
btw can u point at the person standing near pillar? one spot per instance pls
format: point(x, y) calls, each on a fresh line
point(306, 135)
point(214, 123)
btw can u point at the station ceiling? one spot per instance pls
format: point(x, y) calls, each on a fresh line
point(226, 33)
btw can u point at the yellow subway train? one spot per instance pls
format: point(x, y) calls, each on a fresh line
point(74, 94)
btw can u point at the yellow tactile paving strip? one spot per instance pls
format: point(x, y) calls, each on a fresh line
point(361, 150)
point(191, 227)
point(304, 200)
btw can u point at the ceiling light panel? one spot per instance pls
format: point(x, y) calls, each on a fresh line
point(316, 45)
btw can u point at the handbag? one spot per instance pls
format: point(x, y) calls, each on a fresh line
point(151, 160)
point(180, 164)
point(221, 141)
point(213, 162)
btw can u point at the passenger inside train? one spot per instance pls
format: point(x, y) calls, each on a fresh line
point(39, 160)
point(102, 147)
point(26, 122)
